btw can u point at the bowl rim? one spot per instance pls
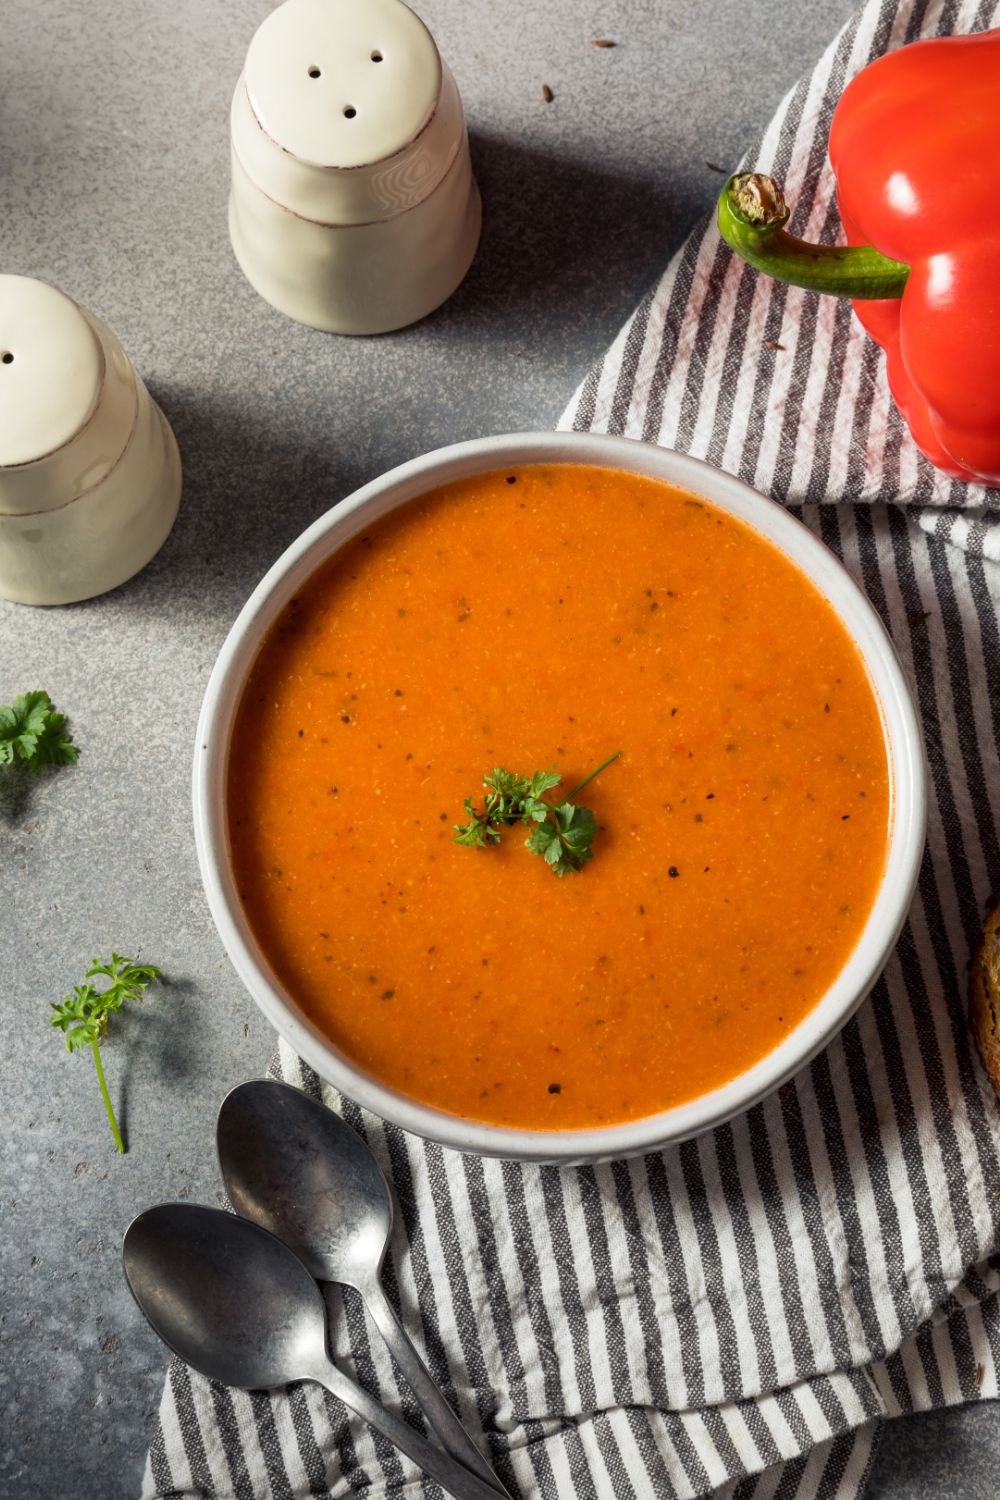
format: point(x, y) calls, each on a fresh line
point(904, 742)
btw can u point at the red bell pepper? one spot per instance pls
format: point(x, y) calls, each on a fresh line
point(913, 145)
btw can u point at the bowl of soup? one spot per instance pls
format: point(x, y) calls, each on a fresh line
point(551, 603)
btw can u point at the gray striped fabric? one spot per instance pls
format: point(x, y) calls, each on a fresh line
point(737, 1315)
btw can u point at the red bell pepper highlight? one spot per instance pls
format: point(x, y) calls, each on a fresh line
point(913, 149)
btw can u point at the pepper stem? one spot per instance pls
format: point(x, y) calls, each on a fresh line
point(107, 1097)
point(752, 215)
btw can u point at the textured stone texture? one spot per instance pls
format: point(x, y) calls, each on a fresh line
point(113, 185)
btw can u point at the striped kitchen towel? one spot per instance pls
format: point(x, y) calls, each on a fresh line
point(737, 1315)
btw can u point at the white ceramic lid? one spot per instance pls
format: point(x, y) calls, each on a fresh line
point(345, 113)
point(343, 83)
point(68, 398)
point(51, 370)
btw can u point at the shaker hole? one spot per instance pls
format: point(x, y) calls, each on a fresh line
point(349, 111)
point(6, 357)
point(314, 71)
point(376, 56)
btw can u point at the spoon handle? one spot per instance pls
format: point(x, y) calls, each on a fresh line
point(453, 1476)
point(435, 1408)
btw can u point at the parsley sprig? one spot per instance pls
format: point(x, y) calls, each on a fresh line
point(33, 734)
point(83, 1015)
point(561, 833)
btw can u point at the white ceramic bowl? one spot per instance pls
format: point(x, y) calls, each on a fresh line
point(908, 780)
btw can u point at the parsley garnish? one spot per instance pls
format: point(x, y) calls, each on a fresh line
point(32, 734)
point(83, 1015)
point(561, 833)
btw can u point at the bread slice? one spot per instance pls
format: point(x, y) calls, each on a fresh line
point(984, 998)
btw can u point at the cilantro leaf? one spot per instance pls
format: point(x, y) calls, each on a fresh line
point(564, 840)
point(561, 833)
point(509, 799)
point(478, 832)
point(33, 734)
point(84, 1014)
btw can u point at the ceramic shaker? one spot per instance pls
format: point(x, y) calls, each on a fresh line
point(90, 476)
point(353, 205)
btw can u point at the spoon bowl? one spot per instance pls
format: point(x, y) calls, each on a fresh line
point(196, 1272)
point(294, 1167)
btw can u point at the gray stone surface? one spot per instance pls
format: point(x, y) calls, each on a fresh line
point(113, 182)
point(940, 1455)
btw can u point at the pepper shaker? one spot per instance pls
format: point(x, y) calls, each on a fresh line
point(90, 476)
point(353, 206)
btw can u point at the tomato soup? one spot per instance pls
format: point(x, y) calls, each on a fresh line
point(553, 615)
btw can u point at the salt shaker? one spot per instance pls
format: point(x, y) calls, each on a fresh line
point(90, 476)
point(353, 206)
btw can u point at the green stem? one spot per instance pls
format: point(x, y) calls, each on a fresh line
point(752, 215)
point(586, 779)
point(107, 1097)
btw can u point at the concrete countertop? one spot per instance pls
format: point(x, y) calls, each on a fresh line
point(113, 185)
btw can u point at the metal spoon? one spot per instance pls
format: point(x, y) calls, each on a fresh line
point(295, 1167)
point(240, 1307)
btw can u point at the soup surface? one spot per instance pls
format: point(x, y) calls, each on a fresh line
point(553, 615)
